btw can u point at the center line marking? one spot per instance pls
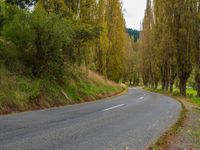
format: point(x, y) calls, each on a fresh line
point(113, 107)
point(141, 98)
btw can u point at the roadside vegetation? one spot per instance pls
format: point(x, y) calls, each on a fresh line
point(169, 60)
point(58, 52)
point(21, 93)
point(54, 52)
point(169, 47)
point(191, 94)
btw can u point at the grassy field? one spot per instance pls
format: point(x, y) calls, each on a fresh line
point(21, 93)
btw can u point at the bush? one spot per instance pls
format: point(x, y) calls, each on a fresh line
point(38, 39)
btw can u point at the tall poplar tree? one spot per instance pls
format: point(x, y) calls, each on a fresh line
point(102, 43)
point(147, 52)
point(196, 52)
point(116, 36)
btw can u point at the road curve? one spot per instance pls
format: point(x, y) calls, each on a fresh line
point(133, 120)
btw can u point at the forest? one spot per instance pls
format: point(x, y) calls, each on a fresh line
point(169, 47)
point(62, 52)
point(87, 32)
point(49, 47)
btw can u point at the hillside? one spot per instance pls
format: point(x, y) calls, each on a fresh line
point(47, 52)
point(135, 34)
point(21, 93)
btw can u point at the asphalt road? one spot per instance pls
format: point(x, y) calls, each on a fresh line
point(133, 120)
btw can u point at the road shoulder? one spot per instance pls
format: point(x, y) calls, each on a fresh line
point(189, 135)
point(185, 134)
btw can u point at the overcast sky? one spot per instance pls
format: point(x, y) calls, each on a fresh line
point(134, 12)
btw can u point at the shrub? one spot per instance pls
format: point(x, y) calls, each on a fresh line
point(38, 39)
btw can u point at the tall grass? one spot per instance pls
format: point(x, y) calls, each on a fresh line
point(20, 93)
point(90, 86)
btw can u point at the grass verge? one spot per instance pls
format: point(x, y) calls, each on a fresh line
point(20, 93)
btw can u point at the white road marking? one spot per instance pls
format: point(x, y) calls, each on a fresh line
point(141, 98)
point(141, 101)
point(117, 106)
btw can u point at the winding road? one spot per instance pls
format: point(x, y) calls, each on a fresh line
point(135, 120)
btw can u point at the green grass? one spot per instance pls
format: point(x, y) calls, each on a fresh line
point(21, 93)
point(195, 100)
point(89, 89)
point(191, 94)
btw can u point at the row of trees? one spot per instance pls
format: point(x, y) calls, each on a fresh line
point(38, 38)
point(170, 44)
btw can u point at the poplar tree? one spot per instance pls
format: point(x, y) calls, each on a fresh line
point(22, 3)
point(116, 36)
point(102, 43)
point(146, 54)
point(53, 6)
point(196, 52)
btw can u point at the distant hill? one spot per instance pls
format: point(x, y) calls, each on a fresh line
point(133, 33)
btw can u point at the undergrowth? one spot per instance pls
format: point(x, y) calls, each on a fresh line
point(21, 93)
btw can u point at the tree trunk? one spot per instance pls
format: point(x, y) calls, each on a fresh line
point(163, 85)
point(182, 85)
point(173, 75)
point(130, 82)
point(152, 85)
point(156, 85)
point(171, 86)
point(197, 79)
point(167, 86)
point(79, 56)
point(145, 82)
point(79, 9)
point(177, 84)
point(172, 80)
point(198, 89)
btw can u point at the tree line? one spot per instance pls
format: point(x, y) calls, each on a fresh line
point(170, 44)
point(42, 38)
